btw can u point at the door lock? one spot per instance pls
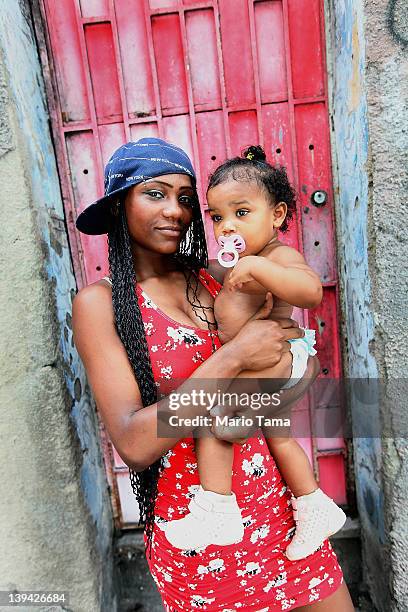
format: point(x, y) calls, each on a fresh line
point(319, 198)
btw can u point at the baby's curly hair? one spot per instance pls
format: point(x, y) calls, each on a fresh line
point(253, 167)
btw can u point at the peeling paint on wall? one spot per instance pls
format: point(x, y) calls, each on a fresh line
point(17, 38)
point(25, 85)
point(350, 140)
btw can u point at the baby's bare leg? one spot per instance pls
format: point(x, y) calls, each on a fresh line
point(293, 464)
point(214, 459)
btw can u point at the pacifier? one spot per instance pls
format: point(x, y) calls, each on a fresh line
point(231, 246)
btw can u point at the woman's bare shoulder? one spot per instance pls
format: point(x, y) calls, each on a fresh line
point(94, 300)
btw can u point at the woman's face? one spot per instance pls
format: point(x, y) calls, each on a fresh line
point(159, 212)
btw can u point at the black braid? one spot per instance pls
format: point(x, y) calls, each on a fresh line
point(192, 255)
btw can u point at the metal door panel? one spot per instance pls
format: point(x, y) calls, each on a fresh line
point(213, 76)
point(237, 53)
point(243, 127)
point(144, 130)
point(111, 136)
point(178, 129)
point(305, 32)
point(203, 60)
point(135, 58)
point(169, 56)
point(66, 47)
point(103, 70)
point(270, 44)
point(84, 173)
point(314, 174)
point(94, 8)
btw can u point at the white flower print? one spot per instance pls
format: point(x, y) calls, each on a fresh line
point(198, 357)
point(313, 595)
point(313, 582)
point(260, 533)
point(247, 521)
point(280, 594)
point(183, 334)
point(167, 372)
point(251, 569)
point(280, 580)
point(147, 302)
point(199, 602)
point(255, 466)
point(191, 467)
point(192, 490)
point(149, 329)
point(165, 574)
point(166, 457)
point(215, 565)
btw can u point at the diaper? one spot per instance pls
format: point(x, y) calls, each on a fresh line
point(300, 348)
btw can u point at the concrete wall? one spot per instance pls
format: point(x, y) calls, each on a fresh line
point(367, 47)
point(55, 513)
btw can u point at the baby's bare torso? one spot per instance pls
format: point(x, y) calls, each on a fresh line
point(233, 309)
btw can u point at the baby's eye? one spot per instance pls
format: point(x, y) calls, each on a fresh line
point(155, 194)
point(216, 218)
point(243, 211)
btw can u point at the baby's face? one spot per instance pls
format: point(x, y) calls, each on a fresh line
point(239, 207)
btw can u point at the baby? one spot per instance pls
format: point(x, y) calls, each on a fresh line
point(249, 201)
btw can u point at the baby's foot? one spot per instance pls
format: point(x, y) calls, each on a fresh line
point(213, 519)
point(317, 517)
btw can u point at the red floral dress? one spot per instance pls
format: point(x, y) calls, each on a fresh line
point(253, 575)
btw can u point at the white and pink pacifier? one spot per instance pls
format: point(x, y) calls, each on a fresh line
point(231, 246)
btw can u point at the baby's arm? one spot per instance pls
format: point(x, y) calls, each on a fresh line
point(283, 272)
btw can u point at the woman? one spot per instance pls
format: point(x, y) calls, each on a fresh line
point(153, 323)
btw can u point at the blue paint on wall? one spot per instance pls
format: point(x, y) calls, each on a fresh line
point(27, 86)
point(352, 152)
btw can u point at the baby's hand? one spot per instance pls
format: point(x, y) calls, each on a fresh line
point(242, 273)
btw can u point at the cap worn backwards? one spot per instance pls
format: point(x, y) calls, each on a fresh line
point(131, 164)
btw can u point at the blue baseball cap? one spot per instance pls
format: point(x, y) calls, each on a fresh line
point(131, 164)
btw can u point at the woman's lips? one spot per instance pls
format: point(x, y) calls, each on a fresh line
point(174, 232)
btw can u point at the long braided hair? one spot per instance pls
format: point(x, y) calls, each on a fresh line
point(192, 255)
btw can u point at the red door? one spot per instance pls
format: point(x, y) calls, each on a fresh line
point(211, 76)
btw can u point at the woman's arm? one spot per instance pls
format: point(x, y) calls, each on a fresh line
point(134, 431)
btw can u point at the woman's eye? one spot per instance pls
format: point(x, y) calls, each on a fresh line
point(186, 200)
point(155, 194)
point(242, 213)
point(216, 218)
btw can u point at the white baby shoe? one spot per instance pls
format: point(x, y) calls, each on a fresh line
point(213, 519)
point(317, 518)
